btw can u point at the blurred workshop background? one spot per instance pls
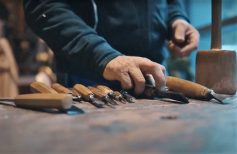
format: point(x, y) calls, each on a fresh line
point(35, 61)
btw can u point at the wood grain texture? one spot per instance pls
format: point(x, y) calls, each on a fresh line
point(217, 70)
point(148, 126)
point(188, 88)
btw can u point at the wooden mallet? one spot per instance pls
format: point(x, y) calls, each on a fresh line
point(216, 68)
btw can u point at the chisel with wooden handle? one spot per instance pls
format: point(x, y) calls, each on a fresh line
point(41, 101)
point(163, 93)
point(101, 95)
point(42, 88)
point(88, 95)
point(114, 95)
point(190, 89)
point(61, 89)
point(127, 96)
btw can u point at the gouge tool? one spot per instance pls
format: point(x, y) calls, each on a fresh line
point(152, 92)
point(129, 98)
point(61, 89)
point(102, 96)
point(88, 95)
point(114, 95)
point(118, 96)
point(41, 101)
point(191, 89)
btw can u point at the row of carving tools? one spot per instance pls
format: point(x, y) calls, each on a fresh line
point(98, 96)
point(60, 97)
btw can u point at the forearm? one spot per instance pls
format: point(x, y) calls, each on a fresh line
point(68, 35)
point(176, 10)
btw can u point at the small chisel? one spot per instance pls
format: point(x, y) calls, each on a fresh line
point(88, 95)
point(118, 96)
point(61, 89)
point(114, 95)
point(127, 96)
point(41, 101)
point(191, 89)
point(101, 95)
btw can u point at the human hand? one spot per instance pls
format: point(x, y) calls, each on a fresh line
point(185, 38)
point(130, 71)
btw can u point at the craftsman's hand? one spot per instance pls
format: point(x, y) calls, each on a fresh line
point(185, 38)
point(130, 71)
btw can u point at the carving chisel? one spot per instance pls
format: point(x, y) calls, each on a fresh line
point(151, 92)
point(191, 89)
point(127, 96)
point(41, 101)
point(118, 96)
point(101, 95)
point(61, 89)
point(40, 87)
point(88, 95)
point(114, 95)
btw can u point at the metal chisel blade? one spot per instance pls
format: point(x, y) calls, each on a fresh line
point(128, 97)
point(152, 92)
point(172, 95)
point(96, 102)
point(111, 101)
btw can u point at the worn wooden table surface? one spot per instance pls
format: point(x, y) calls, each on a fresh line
point(146, 126)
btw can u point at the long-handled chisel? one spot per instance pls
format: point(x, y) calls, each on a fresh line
point(41, 101)
point(191, 89)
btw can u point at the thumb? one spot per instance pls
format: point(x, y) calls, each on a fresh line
point(179, 33)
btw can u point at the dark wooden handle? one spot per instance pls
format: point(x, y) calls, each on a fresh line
point(105, 89)
point(188, 88)
point(44, 101)
point(97, 92)
point(216, 24)
point(82, 90)
point(60, 88)
point(42, 88)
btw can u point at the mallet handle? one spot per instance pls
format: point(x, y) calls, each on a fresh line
point(216, 24)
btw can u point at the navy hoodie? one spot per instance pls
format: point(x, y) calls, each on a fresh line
point(86, 34)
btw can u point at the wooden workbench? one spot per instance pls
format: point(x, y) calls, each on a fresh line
point(142, 127)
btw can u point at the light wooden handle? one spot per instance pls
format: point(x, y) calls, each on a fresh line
point(42, 88)
point(44, 101)
point(105, 89)
point(75, 93)
point(97, 92)
point(60, 88)
point(84, 91)
point(188, 88)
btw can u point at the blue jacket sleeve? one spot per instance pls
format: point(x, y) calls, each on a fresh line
point(176, 10)
point(68, 35)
